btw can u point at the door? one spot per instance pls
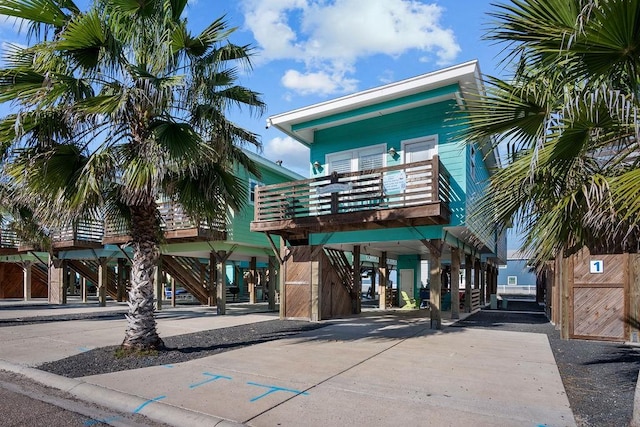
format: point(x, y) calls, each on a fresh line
point(419, 180)
point(406, 284)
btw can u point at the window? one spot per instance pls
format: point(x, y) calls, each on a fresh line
point(252, 190)
point(356, 160)
point(512, 280)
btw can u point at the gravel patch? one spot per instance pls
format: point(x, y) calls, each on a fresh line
point(179, 348)
point(599, 377)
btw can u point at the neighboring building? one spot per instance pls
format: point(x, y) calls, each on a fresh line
point(213, 264)
point(390, 179)
point(517, 276)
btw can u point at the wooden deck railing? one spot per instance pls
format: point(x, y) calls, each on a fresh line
point(393, 187)
point(173, 218)
point(86, 230)
point(8, 237)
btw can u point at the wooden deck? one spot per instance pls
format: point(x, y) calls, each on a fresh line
point(396, 196)
point(178, 227)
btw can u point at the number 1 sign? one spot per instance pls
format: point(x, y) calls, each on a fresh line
point(596, 266)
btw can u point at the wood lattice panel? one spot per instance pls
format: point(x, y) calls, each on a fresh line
point(598, 312)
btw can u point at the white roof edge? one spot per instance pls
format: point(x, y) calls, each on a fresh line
point(349, 101)
point(272, 165)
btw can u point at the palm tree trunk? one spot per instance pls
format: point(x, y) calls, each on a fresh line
point(141, 333)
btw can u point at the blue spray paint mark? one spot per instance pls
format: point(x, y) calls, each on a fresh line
point(84, 349)
point(104, 421)
point(155, 399)
point(214, 377)
point(273, 389)
point(167, 366)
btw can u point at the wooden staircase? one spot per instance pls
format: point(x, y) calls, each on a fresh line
point(89, 270)
point(186, 271)
point(343, 268)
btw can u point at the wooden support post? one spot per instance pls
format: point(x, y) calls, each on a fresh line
point(487, 288)
point(253, 275)
point(467, 283)
point(66, 278)
point(455, 283)
point(173, 292)
point(203, 276)
point(271, 283)
point(122, 283)
point(567, 290)
point(316, 277)
point(159, 286)
point(26, 280)
point(102, 282)
point(282, 278)
point(435, 293)
point(83, 288)
point(357, 281)
point(211, 300)
point(483, 282)
point(383, 272)
point(476, 274)
point(221, 286)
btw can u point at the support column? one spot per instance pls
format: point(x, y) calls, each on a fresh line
point(253, 274)
point(282, 278)
point(316, 276)
point(383, 271)
point(271, 283)
point(467, 283)
point(487, 289)
point(173, 292)
point(476, 274)
point(435, 293)
point(455, 283)
point(57, 271)
point(221, 285)
point(121, 280)
point(83, 288)
point(211, 300)
point(26, 280)
point(357, 281)
point(102, 282)
point(483, 283)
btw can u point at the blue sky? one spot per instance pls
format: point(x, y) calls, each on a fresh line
point(308, 51)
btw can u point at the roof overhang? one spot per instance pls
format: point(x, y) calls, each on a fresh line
point(301, 124)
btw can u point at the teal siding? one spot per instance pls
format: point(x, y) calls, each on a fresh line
point(476, 188)
point(238, 231)
point(391, 130)
point(388, 235)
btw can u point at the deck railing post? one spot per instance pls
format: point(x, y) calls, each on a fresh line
point(435, 167)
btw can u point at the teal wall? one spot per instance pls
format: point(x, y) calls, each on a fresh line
point(238, 231)
point(390, 130)
point(476, 188)
point(411, 262)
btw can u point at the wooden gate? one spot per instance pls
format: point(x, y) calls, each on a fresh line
point(598, 296)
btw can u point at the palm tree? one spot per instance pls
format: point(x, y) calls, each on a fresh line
point(117, 106)
point(568, 117)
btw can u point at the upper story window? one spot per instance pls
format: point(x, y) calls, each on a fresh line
point(252, 190)
point(356, 160)
point(419, 149)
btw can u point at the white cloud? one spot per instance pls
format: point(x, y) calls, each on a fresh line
point(329, 37)
point(294, 155)
point(319, 82)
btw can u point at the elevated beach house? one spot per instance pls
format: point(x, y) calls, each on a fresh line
point(392, 186)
